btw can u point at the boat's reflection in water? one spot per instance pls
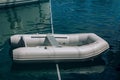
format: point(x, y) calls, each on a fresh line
point(97, 65)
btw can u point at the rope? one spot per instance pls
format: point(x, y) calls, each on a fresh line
point(51, 17)
point(58, 72)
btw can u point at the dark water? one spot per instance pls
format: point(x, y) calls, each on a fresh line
point(69, 16)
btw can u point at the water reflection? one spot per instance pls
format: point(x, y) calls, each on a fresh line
point(14, 19)
point(48, 70)
point(31, 18)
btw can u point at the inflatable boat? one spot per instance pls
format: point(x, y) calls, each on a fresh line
point(57, 47)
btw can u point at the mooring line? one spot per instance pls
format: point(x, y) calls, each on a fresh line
point(58, 71)
point(52, 28)
point(51, 17)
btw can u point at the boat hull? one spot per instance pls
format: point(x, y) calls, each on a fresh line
point(72, 47)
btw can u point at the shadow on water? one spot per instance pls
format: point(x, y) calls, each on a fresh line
point(92, 66)
point(13, 18)
point(68, 70)
point(5, 58)
point(33, 66)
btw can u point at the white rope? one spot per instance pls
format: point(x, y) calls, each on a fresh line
point(51, 17)
point(58, 72)
point(57, 66)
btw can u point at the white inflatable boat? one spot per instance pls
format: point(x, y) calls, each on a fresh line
point(57, 47)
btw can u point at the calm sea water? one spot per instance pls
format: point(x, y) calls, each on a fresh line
point(69, 16)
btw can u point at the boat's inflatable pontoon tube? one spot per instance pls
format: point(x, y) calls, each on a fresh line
point(71, 47)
